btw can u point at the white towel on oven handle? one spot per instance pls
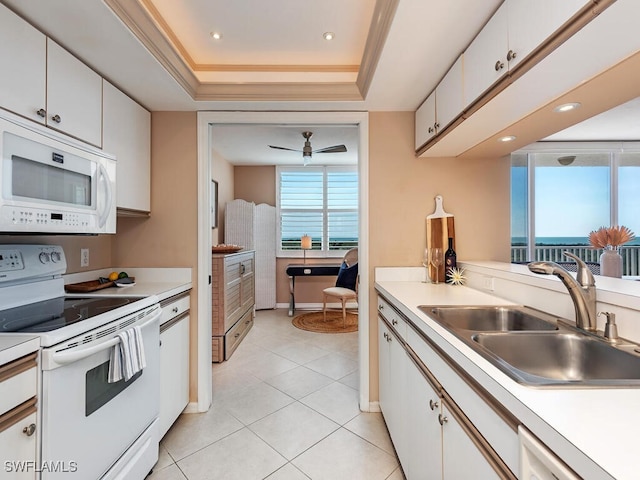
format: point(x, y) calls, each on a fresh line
point(127, 356)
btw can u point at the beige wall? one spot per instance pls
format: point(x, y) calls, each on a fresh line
point(100, 248)
point(169, 237)
point(222, 172)
point(401, 194)
point(256, 184)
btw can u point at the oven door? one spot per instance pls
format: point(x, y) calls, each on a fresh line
point(88, 424)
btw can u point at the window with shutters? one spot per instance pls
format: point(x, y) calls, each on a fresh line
point(321, 202)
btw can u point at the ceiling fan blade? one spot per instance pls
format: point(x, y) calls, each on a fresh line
point(334, 149)
point(285, 148)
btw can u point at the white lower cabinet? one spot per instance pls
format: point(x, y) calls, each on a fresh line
point(433, 437)
point(392, 360)
point(424, 433)
point(174, 361)
point(461, 459)
point(18, 412)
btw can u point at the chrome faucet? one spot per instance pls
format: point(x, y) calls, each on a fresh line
point(582, 289)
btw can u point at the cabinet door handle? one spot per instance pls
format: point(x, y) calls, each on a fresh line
point(436, 125)
point(236, 335)
point(174, 309)
point(394, 322)
point(42, 113)
point(430, 130)
point(389, 338)
point(442, 419)
point(380, 307)
point(30, 430)
point(499, 65)
point(433, 405)
point(56, 118)
point(511, 55)
point(384, 335)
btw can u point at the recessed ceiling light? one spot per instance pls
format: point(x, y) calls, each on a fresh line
point(508, 138)
point(216, 35)
point(328, 35)
point(566, 107)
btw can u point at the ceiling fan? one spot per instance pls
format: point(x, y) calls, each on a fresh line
point(307, 151)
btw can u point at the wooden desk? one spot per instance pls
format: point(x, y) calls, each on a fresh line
point(307, 270)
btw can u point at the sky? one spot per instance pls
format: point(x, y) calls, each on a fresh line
point(571, 202)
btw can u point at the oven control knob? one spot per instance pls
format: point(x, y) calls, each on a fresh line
point(44, 257)
point(55, 257)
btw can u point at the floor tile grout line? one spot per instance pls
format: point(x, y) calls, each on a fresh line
point(341, 349)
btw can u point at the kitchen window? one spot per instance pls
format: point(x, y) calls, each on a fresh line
point(320, 202)
point(560, 193)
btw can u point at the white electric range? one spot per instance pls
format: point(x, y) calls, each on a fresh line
point(87, 426)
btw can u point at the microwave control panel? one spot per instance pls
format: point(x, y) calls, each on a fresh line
point(21, 219)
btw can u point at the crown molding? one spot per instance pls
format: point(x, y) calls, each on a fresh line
point(146, 24)
point(278, 92)
point(383, 15)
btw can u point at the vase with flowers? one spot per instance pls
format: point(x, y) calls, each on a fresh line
point(610, 239)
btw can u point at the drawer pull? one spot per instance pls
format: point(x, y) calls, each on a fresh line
point(433, 405)
point(174, 309)
point(381, 307)
point(236, 335)
point(30, 430)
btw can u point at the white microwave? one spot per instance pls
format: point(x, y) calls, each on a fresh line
point(51, 184)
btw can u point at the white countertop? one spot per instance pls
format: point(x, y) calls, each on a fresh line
point(161, 282)
point(16, 346)
point(593, 430)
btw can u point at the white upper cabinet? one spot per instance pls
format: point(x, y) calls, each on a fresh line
point(127, 135)
point(426, 120)
point(449, 95)
point(533, 21)
point(516, 29)
point(23, 56)
point(440, 108)
point(485, 60)
point(43, 82)
point(74, 96)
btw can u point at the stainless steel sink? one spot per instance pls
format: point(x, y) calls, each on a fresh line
point(491, 318)
point(538, 349)
point(564, 358)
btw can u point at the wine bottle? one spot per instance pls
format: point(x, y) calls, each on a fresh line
point(449, 260)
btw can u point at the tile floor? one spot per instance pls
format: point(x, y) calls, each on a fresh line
point(285, 407)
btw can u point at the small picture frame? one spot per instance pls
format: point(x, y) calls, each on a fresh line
point(214, 204)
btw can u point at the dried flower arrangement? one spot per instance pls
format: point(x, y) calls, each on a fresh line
point(610, 237)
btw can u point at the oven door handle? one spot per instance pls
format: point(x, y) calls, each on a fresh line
point(64, 358)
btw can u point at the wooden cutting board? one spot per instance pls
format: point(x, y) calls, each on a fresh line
point(440, 227)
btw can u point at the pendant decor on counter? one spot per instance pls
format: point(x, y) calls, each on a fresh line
point(610, 239)
point(611, 263)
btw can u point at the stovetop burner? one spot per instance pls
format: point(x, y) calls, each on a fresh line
point(49, 315)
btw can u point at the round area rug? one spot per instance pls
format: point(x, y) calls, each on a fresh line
point(314, 322)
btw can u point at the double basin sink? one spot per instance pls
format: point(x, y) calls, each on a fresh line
point(538, 349)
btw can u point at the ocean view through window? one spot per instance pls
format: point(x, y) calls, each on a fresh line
point(321, 202)
point(560, 193)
